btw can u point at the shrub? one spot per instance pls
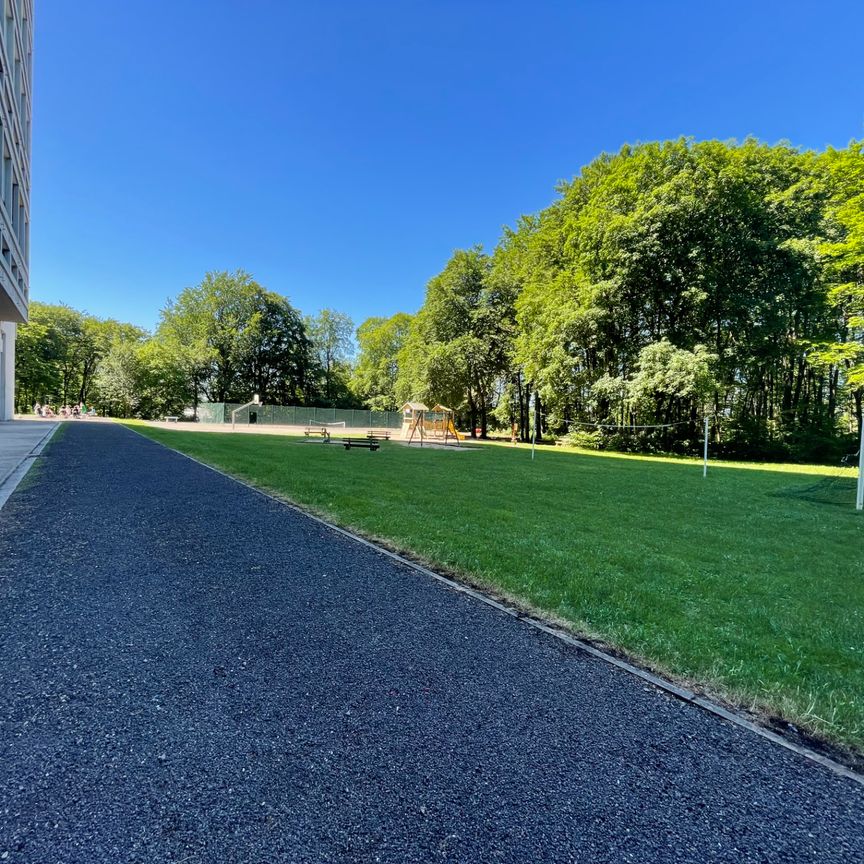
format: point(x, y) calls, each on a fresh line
point(592, 440)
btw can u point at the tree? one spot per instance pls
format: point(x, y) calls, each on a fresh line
point(76, 351)
point(274, 352)
point(59, 353)
point(332, 337)
point(163, 384)
point(457, 347)
point(182, 344)
point(672, 385)
point(36, 369)
point(843, 254)
point(380, 341)
point(120, 380)
point(229, 338)
point(708, 244)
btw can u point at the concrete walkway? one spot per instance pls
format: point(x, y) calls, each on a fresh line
point(192, 672)
point(17, 439)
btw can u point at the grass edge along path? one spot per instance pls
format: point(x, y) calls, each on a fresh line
point(747, 586)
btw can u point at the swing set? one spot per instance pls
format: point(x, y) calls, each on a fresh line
point(419, 423)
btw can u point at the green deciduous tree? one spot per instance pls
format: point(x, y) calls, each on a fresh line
point(457, 348)
point(380, 341)
point(332, 337)
point(59, 352)
point(228, 338)
point(672, 385)
point(843, 255)
point(709, 244)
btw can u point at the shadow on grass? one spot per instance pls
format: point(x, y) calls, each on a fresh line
point(688, 462)
point(830, 491)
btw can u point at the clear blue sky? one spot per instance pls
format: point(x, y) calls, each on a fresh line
point(340, 151)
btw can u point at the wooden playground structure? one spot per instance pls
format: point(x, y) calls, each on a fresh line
point(421, 424)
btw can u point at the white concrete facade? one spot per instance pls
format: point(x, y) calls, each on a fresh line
point(16, 75)
point(7, 370)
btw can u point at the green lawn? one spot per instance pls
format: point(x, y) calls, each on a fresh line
point(750, 581)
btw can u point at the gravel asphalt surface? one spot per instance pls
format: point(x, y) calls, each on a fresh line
point(191, 672)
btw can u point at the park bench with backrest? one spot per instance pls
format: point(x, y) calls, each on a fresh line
point(364, 443)
point(378, 434)
point(316, 430)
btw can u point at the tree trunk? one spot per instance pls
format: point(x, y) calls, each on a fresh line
point(517, 380)
point(801, 373)
point(858, 396)
point(833, 379)
point(525, 414)
point(538, 416)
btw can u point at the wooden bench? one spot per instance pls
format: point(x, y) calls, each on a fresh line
point(364, 443)
point(171, 419)
point(316, 430)
point(378, 434)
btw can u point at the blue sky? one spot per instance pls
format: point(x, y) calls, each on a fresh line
point(340, 151)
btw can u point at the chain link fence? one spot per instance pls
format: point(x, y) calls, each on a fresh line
point(296, 415)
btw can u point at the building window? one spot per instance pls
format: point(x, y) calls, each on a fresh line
point(10, 36)
point(7, 180)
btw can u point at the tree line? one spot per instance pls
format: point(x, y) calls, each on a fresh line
point(220, 341)
point(666, 283)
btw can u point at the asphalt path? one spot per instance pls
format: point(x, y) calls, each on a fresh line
point(192, 672)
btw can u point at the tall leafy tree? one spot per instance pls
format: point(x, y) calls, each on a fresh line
point(380, 340)
point(230, 338)
point(37, 351)
point(457, 349)
point(332, 337)
point(695, 243)
point(275, 353)
point(182, 342)
point(59, 352)
point(121, 380)
point(843, 255)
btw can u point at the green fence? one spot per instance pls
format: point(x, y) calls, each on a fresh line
point(295, 415)
point(211, 412)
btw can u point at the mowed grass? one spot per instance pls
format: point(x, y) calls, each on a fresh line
point(750, 582)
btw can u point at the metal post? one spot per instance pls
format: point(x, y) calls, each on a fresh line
point(859, 501)
point(705, 452)
point(255, 401)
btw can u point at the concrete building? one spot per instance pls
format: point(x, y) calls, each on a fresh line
point(16, 77)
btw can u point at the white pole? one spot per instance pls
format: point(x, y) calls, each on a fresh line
point(705, 452)
point(859, 501)
point(533, 424)
point(234, 412)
